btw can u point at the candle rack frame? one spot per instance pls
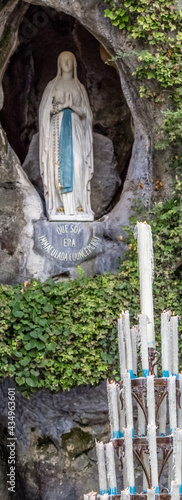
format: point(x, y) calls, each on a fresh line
point(140, 446)
point(140, 496)
point(139, 392)
point(140, 443)
point(154, 358)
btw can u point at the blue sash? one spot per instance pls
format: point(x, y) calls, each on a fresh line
point(66, 152)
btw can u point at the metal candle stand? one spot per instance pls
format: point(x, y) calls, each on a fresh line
point(140, 444)
point(141, 496)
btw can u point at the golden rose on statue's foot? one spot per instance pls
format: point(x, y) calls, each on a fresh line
point(60, 209)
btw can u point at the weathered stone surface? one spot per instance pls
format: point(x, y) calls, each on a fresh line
point(56, 456)
point(31, 165)
point(106, 180)
point(19, 205)
point(55, 442)
point(66, 243)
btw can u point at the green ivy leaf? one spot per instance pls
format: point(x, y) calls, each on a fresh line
point(20, 380)
point(25, 361)
point(17, 313)
point(32, 382)
point(30, 345)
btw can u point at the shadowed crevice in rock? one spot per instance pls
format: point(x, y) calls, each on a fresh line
point(43, 35)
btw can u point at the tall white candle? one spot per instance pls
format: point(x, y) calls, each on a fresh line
point(111, 473)
point(112, 393)
point(162, 414)
point(151, 494)
point(129, 458)
point(180, 409)
point(125, 478)
point(151, 399)
point(127, 336)
point(85, 497)
point(170, 471)
point(175, 495)
point(121, 412)
point(165, 342)
point(177, 456)
point(141, 421)
point(121, 345)
point(151, 432)
point(134, 334)
point(101, 468)
point(125, 494)
point(146, 268)
point(172, 403)
point(128, 400)
point(174, 342)
point(144, 343)
point(93, 495)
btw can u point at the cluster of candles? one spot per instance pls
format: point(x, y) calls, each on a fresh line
point(121, 422)
point(128, 370)
point(121, 417)
point(129, 338)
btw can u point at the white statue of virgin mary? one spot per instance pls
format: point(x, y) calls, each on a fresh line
point(66, 150)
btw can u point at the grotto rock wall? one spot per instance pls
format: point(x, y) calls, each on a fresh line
point(125, 173)
point(55, 449)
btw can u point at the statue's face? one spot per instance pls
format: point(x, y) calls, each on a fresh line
point(66, 62)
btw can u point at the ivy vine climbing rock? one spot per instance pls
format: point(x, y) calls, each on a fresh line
point(158, 25)
point(59, 335)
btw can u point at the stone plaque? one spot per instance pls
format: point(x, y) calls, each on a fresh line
point(67, 243)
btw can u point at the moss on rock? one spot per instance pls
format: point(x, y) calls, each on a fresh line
point(77, 441)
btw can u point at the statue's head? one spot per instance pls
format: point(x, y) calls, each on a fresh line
point(67, 63)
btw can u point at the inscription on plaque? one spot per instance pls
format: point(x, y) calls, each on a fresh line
point(64, 245)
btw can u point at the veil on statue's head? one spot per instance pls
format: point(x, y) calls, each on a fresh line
point(59, 72)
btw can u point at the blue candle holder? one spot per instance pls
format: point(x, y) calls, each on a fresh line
point(113, 491)
point(172, 430)
point(116, 435)
point(132, 490)
point(121, 434)
point(131, 374)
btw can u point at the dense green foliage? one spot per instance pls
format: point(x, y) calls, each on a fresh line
point(158, 24)
point(58, 335)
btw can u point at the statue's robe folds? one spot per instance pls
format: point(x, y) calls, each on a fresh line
point(75, 154)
